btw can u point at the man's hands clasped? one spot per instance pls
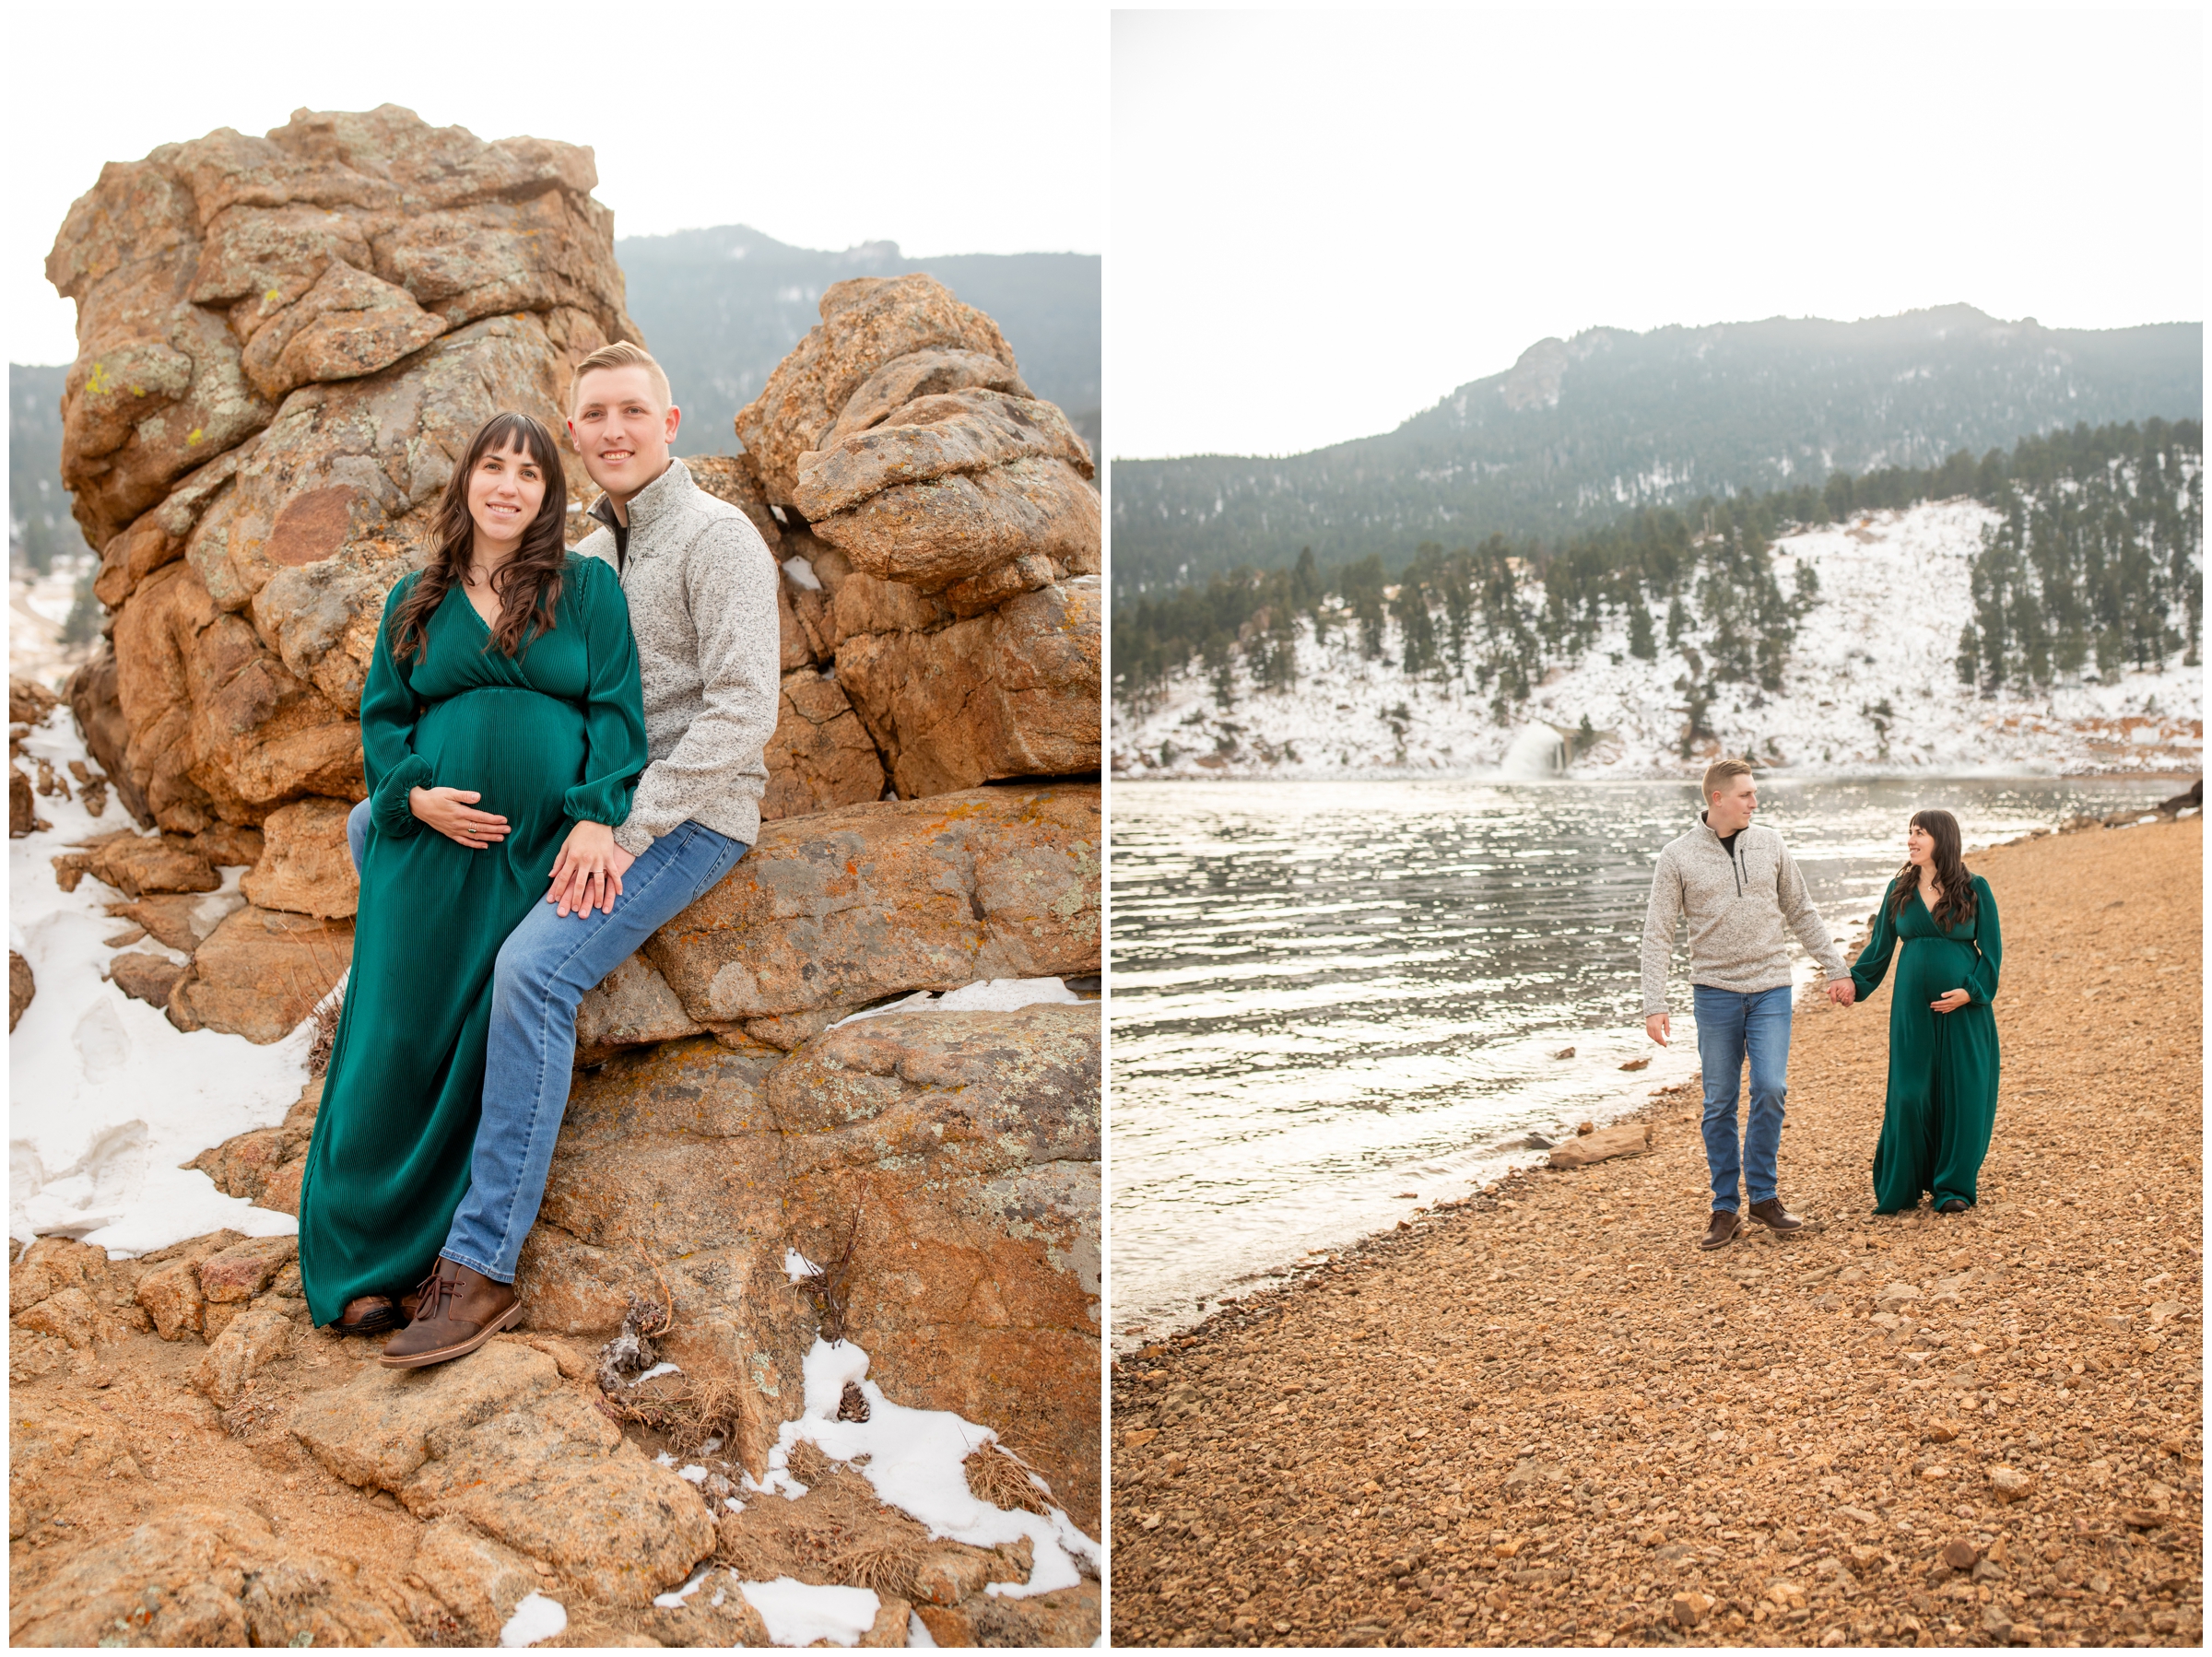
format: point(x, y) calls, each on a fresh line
point(588, 873)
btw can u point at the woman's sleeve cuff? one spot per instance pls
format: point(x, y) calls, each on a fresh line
point(392, 814)
point(596, 803)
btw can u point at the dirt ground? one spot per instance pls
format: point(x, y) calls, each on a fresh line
point(1542, 1417)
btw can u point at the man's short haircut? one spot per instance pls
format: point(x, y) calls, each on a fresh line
point(621, 355)
point(1720, 772)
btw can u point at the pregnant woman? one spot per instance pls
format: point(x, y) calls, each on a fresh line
point(1941, 922)
point(502, 729)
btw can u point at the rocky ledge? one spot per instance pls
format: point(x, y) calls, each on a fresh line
point(1541, 1416)
point(280, 1487)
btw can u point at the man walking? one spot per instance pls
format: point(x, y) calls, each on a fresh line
point(1739, 885)
point(701, 587)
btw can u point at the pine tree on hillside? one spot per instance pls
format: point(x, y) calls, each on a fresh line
point(1641, 644)
point(1363, 585)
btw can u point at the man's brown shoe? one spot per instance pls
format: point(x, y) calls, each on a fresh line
point(1775, 1217)
point(460, 1309)
point(368, 1314)
point(1721, 1232)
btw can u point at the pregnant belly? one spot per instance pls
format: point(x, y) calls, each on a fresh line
point(1932, 965)
point(520, 750)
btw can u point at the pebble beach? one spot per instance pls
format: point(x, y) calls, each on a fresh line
point(1540, 1415)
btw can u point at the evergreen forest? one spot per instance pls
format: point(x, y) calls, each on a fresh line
point(2094, 567)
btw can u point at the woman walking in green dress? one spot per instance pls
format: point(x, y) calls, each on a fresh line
point(502, 715)
point(1941, 922)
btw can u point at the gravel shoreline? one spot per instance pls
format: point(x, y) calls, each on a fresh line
point(1542, 1417)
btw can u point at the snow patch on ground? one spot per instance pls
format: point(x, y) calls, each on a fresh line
point(798, 1613)
point(989, 996)
point(536, 1617)
point(1893, 594)
point(912, 1458)
point(106, 1098)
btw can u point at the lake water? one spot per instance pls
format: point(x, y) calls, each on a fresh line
point(1329, 996)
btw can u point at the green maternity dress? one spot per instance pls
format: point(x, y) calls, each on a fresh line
point(1943, 1067)
point(548, 736)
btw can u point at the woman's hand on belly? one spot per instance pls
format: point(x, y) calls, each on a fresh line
point(588, 873)
point(1950, 1000)
point(451, 812)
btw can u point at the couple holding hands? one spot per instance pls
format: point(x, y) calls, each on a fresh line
point(1738, 888)
point(562, 750)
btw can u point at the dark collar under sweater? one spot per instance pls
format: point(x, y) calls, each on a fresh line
point(648, 505)
point(1722, 841)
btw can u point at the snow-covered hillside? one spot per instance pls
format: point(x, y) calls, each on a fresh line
point(106, 1098)
point(1871, 687)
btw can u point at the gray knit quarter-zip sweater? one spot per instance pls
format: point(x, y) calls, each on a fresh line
point(701, 587)
point(1738, 906)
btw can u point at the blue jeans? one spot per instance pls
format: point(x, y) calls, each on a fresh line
point(1731, 1023)
point(543, 970)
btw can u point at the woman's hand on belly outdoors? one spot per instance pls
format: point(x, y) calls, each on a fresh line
point(588, 873)
point(1950, 1000)
point(451, 812)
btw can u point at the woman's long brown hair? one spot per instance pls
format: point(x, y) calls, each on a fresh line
point(1956, 905)
point(528, 585)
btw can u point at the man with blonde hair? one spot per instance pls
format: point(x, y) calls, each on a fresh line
point(701, 590)
point(1738, 887)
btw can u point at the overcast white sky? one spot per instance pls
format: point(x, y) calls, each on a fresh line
point(1324, 222)
point(948, 130)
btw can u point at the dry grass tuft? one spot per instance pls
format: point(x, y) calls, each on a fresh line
point(887, 1566)
point(698, 1411)
point(808, 1464)
point(1002, 1478)
point(326, 1032)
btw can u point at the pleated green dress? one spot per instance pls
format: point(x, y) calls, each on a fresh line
point(551, 735)
point(1943, 1067)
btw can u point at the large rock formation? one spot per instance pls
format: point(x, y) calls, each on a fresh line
point(941, 542)
point(215, 278)
point(283, 345)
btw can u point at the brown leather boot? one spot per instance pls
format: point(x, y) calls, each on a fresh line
point(367, 1314)
point(1721, 1232)
point(460, 1309)
point(1775, 1217)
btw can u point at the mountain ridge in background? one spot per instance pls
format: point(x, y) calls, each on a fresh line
point(1580, 430)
